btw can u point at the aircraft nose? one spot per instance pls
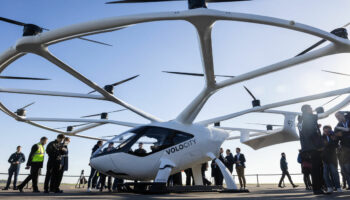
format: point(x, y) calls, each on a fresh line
point(101, 163)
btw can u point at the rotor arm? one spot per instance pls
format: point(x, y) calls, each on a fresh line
point(279, 104)
point(51, 93)
point(50, 57)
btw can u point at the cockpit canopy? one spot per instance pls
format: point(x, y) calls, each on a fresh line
point(143, 141)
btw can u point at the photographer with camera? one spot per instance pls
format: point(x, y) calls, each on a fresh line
point(342, 131)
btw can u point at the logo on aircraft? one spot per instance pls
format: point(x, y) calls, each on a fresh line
point(181, 146)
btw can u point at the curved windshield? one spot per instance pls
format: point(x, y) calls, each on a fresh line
point(144, 141)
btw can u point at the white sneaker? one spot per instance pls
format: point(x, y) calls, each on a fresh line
point(88, 190)
point(339, 190)
point(329, 190)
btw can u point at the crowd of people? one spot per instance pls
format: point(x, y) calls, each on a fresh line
point(320, 155)
point(321, 152)
point(57, 164)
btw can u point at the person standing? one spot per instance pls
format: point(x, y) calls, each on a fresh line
point(229, 162)
point(330, 162)
point(239, 160)
point(305, 161)
point(215, 169)
point(34, 163)
point(64, 161)
point(54, 150)
point(16, 159)
point(284, 168)
point(103, 177)
point(312, 144)
point(93, 172)
point(204, 168)
point(340, 157)
point(342, 130)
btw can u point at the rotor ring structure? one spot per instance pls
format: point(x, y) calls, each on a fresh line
point(203, 20)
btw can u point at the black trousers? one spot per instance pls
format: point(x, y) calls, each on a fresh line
point(13, 171)
point(93, 173)
point(60, 176)
point(284, 174)
point(52, 176)
point(316, 171)
point(205, 180)
point(33, 176)
point(103, 181)
point(189, 176)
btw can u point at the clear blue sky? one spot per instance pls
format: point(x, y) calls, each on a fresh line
point(149, 48)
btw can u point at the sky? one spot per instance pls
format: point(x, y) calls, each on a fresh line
point(149, 48)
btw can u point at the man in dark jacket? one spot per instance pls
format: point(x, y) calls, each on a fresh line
point(93, 171)
point(229, 160)
point(16, 159)
point(312, 144)
point(330, 162)
point(284, 168)
point(239, 160)
point(55, 151)
point(64, 161)
point(215, 169)
point(342, 130)
point(140, 151)
point(34, 163)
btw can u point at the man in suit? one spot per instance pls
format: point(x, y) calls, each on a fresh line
point(239, 160)
point(16, 159)
point(284, 168)
point(35, 163)
point(229, 160)
point(215, 169)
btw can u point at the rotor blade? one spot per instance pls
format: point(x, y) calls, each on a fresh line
point(330, 100)
point(23, 78)
point(336, 73)
point(117, 111)
point(346, 25)
point(94, 115)
point(107, 136)
point(12, 21)
point(119, 82)
point(138, 1)
point(312, 47)
point(265, 124)
point(28, 105)
point(89, 40)
point(77, 125)
point(250, 93)
point(123, 81)
point(195, 74)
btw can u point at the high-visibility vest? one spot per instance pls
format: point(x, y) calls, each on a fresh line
point(39, 154)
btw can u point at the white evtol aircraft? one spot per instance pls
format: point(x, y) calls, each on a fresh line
point(180, 143)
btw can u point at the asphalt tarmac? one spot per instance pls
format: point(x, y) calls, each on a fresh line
point(268, 192)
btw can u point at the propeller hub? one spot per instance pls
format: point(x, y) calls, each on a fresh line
point(193, 4)
point(256, 103)
point(104, 115)
point(269, 127)
point(21, 112)
point(319, 110)
point(340, 32)
point(109, 88)
point(69, 128)
point(31, 29)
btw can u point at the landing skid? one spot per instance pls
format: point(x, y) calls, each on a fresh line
point(161, 188)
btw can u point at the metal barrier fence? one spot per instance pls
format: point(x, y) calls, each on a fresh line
point(251, 178)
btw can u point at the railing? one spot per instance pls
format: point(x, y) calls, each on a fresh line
point(251, 178)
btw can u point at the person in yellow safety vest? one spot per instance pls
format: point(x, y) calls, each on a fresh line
point(35, 163)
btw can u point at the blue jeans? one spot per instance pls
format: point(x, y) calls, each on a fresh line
point(13, 171)
point(329, 170)
point(346, 168)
